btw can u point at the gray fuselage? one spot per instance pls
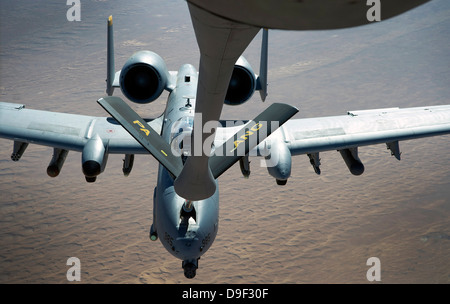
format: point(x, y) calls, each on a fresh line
point(186, 234)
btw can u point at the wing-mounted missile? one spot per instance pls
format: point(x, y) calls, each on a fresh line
point(279, 161)
point(314, 160)
point(128, 164)
point(244, 164)
point(94, 158)
point(18, 150)
point(59, 156)
point(352, 160)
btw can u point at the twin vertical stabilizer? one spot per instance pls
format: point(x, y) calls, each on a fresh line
point(262, 79)
point(110, 69)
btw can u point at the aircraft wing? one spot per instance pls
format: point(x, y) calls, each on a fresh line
point(366, 127)
point(67, 131)
point(95, 137)
point(346, 133)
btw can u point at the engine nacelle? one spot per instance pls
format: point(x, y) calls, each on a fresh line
point(93, 158)
point(279, 162)
point(242, 84)
point(143, 77)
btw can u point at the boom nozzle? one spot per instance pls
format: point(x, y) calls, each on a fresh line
point(196, 181)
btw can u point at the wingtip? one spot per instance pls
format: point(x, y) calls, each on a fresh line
point(110, 20)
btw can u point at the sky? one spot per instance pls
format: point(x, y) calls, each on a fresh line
point(316, 229)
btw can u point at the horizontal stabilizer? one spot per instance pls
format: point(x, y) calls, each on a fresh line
point(254, 132)
point(143, 133)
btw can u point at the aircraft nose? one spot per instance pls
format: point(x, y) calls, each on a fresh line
point(189, 247)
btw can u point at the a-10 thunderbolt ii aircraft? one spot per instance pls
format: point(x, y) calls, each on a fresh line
point(191, 143)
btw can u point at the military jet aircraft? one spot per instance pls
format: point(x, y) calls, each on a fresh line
point(194, 147)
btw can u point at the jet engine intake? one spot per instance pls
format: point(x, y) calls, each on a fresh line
point(93, 158)
point(242, 84)
point(143, 77)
